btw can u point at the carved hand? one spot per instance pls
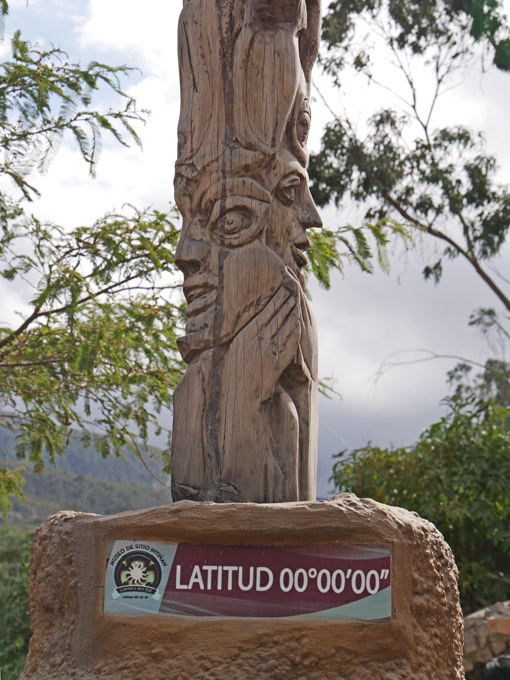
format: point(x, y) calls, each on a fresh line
point(266, 346)
point(259, 424)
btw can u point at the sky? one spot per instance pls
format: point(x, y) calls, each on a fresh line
point(364, 321)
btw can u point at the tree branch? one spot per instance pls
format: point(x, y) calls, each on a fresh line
point(431, 356)
point(471, 258)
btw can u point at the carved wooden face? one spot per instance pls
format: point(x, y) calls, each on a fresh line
point(237, 251)
point(292, 213)
point(229, 272)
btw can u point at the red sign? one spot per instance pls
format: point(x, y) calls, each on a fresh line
point(340, 582)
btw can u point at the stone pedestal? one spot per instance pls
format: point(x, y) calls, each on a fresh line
point(73, 637)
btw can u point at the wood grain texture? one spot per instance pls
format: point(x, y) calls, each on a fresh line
point(245, 413)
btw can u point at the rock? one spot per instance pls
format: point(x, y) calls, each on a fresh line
point(487, 634)
point(423, 639)
point(498, 646)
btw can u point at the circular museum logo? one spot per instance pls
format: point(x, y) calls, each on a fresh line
point(138, 571)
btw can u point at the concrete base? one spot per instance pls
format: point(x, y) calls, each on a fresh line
point(74, 639)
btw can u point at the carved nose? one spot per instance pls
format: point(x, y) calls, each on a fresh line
point(311, 217)
point(192, 256)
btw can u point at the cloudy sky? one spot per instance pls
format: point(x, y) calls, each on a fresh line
point(363, 319)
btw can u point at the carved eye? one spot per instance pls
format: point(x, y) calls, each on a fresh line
point(234, 221)
point(290, 192)
point(288, 189)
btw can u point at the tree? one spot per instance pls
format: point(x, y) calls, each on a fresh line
point(401, 166)
point(436, 180)
point(455, 476)
point(93, 353)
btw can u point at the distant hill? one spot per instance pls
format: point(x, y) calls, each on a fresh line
point(88, 461)
point(54, 490)
point(83, 481)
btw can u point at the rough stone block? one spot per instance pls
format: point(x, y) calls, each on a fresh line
point(498, 626)
point(74, 639)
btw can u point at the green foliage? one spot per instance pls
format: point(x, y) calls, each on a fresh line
point(101, 333)
point(14, 578)
point(493, 382)
point(438, 181)
point(11, 483)
point(43, 95)
point(94, 349)
point(420, 182)
point(364, 246)
point(456, 476)
point(416, 25)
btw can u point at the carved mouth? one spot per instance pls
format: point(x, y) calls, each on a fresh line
point(298, 253)
point(200, 292)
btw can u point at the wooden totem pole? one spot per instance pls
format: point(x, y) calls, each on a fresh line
point(245, 413)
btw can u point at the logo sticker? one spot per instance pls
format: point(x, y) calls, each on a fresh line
point(137, 572)
point(136, 576)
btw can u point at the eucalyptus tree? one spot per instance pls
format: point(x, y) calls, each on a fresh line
point(402, 165)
